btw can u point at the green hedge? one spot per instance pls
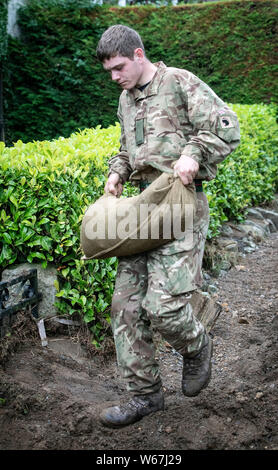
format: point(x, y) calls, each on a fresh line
point(54, 85)
point(46, 186)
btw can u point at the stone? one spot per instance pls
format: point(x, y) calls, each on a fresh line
point(226, 265)
point(275, 322)
point(46, 286)
point(212, 288)
point(249, 249)
point(233, 246)
point(272, 226)
point(274, 203)
point(249, 246)
point(240, 267)
point(226, 230)
point(255, 230)
point(206, 276)
point(255, 213)
point(269, 214)
point(264, 224)
point(243, 321)
point(227, 244)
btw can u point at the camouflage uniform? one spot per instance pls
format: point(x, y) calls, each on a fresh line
point(176, 114)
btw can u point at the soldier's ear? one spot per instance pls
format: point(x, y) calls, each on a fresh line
point(138, 54)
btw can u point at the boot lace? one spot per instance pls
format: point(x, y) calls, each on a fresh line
point(134, 404)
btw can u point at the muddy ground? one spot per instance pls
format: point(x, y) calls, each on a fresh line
point(51, 396)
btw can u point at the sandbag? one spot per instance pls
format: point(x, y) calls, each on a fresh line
point(125, 226)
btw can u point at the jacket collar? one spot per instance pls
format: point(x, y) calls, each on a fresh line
point(152, 89)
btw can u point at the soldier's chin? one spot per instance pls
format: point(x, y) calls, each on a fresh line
point(126, 86)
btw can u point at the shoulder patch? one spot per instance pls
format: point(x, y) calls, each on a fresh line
point(226, 122)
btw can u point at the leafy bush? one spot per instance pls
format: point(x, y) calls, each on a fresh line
point(54, 84)
point(46, 186)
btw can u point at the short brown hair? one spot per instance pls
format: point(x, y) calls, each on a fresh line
point(118, 40)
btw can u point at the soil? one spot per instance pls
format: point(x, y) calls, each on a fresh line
point(51, 396)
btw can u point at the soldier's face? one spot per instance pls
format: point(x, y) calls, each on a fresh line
point(124, 71)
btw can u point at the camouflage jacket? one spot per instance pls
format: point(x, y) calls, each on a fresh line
point(176, 114)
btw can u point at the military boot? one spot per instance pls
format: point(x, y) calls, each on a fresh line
point(197, 370)
point(130, 412)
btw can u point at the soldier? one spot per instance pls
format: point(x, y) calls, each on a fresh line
point(169, 119)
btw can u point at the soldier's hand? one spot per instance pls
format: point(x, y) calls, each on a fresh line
point(113, 185)
point(186, 168)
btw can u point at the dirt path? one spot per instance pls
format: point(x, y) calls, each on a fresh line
point(51, 396)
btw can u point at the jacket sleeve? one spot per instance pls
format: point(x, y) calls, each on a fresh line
point(216, 130)
point(120, 162)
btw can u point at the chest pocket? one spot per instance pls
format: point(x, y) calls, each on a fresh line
point(141, 122)
point(139, 131)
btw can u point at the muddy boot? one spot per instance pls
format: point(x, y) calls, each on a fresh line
point(197, 370)
point(130, 412)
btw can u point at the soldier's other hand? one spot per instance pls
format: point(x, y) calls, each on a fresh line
point(113, 185)
point(186, 168)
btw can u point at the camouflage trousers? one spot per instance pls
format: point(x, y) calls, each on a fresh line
point(152, 291)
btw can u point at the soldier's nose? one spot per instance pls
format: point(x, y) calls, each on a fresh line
point(115, 75)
